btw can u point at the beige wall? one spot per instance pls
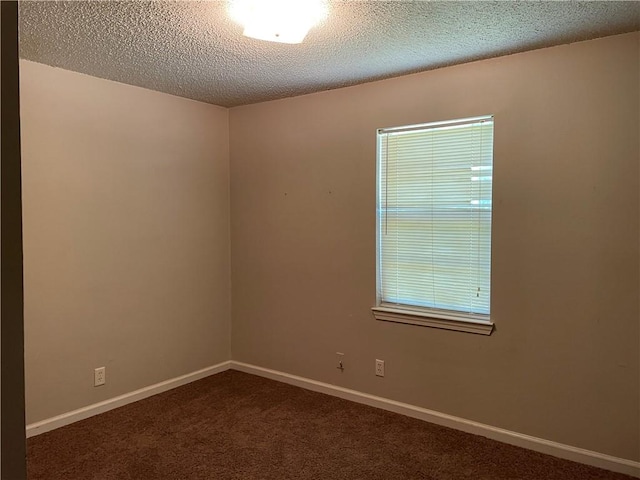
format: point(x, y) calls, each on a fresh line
point(126, 237)
point(563, 363)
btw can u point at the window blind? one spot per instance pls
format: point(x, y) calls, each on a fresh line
point(434, 217)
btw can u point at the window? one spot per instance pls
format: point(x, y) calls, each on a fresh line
point(434, 224)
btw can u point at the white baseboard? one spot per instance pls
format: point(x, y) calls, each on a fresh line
point(101, 407)
point(556, 449)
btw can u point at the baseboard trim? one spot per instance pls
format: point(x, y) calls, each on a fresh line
point(541, 445)
point(556, 449)
point(101, 407)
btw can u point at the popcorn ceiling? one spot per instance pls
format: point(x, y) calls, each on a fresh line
point(194, 50)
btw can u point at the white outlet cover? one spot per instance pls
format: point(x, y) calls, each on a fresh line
point(99, 376)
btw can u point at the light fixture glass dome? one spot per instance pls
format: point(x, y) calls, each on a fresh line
point(284, 21)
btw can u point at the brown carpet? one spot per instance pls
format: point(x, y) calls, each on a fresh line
point(239, 426)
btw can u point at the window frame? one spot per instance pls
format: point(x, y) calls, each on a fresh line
point(417, 315)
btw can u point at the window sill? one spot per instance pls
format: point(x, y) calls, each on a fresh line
point(429, 320)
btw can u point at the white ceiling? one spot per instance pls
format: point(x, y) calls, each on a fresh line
point(194, 50)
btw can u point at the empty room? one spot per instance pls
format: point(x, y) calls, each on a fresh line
point(316, 239)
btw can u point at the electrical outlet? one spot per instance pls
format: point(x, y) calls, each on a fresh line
point(340, 356)
point(99, 376)
point(379, 368)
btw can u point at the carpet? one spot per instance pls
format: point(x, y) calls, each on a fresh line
point(239, 426)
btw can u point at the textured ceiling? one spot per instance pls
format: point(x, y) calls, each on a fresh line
point(194, 50)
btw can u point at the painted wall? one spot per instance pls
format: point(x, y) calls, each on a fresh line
point(563, 363)
point(126, 237)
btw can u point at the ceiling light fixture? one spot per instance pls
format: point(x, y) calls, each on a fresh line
point(284, 21)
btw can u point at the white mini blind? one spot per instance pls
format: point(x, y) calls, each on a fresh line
point(434, 217)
